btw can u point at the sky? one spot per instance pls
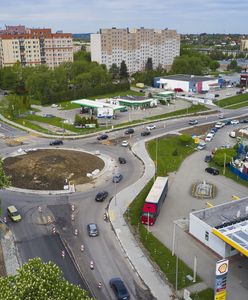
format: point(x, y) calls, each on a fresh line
point(88, 16)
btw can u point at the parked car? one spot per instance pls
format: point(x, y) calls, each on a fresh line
point(212, 171)
point(232, 134)
point(124, 109)
point(102, 137)
point(14, 214)
point(54, 105)
point(209, 137)
point(219, 125)
point(201, 145)
point(124, 143)
point(129, 131)
point(208, 158)
point(193, 122)
point(101, 196)
point(151, 127)
point(56, 143)
point(227, 122)
point(92, 229)
point(119, 288)
point(234, 122)
point(145, 133)
point(122, 160)
point(48, 116)
point(117, 178)
point(221, 116)
point(214, 129)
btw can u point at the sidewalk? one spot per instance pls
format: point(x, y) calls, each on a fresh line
point(137, 258)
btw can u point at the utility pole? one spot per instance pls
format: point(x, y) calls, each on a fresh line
point(224, 170)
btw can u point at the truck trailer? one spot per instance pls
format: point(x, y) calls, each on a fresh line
point(154, 201)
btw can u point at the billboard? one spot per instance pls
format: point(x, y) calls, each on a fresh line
point(220, 279)
point(105, 112)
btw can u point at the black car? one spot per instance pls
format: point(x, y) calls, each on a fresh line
point(102, 137)
point(193, 122)
point(92, 229)
point(119, 289)
point(129, 131)
point(56, 143)
point(208, 158)
point(117, 178)
point(101, 196)
point(212, 171)
point(122, 160)
point(227, 122)
point(144, 133)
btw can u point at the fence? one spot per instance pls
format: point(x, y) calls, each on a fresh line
point(237, 172)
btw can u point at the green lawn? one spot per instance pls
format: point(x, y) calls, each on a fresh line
point(207, 294)
point(232, 100)
point(238, 105)
point(168, 160)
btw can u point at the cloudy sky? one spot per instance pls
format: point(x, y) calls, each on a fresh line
point(81, 16)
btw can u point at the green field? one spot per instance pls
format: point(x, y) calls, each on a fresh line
point(232, 100)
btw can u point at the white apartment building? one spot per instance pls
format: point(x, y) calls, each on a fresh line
point(135, 46)
point(244, 45)
point(35, 47)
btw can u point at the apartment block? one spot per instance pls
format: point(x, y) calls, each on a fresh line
point(35, 47)
point(135, 46)
point(244, 45)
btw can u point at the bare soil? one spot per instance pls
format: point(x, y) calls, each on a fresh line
point(49, 169)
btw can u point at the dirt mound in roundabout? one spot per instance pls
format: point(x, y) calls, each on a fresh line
point(47, 169)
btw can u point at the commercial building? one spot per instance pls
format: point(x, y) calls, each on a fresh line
point(35, 47)
point(112, 46)
point(222, 228)
point(186, 83)
point(244, 45)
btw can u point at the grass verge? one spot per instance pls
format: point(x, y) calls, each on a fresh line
point(203, 295)
point(168, 160)
point(232, 100)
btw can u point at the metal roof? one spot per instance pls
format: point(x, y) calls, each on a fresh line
point(185, 77)
point(96, 104)
point(229, 221)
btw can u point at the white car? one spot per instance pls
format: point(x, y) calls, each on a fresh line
point(54, 105)
point(234, 122)
point(124, 143)
point(219, 125)
point(151, 126)
point(209, 137)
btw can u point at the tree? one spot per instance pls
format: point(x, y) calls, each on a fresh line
point(214, 65)
point(39, 281)
point(222, 156)
point(233, 64)
point(149, 66)
point(114, 71)
point(123, 70)
point(4, 179)
point(185, 139)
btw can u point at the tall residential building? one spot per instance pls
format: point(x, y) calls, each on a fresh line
point(244, 45)
point(35, 47)
point(112, 46)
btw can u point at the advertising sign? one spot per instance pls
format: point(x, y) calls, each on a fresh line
point(105, 112)
point(220, 279)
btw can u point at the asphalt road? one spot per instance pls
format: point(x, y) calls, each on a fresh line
point(36, 240)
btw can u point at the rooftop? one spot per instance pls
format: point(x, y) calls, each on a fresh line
point(185, 77)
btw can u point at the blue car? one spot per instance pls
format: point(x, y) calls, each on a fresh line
point(117, 178)
point(119, 289)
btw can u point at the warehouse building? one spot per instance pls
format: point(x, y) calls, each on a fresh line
point(222, 228)
point(186, 83)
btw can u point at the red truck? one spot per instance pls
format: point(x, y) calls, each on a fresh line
point(154, 201)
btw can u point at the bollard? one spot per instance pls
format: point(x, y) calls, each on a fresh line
point(91, 265)
point(72, 207)
point(76, 231)
point(40, 209)
point(53, 230)
point(72, 217)
point(82, 248)
point(63, 254)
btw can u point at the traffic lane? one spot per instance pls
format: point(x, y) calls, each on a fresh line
point(10, 131)
point(104, 250)
point(49, 248)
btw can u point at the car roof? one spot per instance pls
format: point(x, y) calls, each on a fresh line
point(12, 208)
point(92, 225)
point(120, 284)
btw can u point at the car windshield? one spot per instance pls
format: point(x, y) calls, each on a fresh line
point(148, 215)
point(15, 213)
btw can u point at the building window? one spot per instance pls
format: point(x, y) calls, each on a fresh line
point(206, 235)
